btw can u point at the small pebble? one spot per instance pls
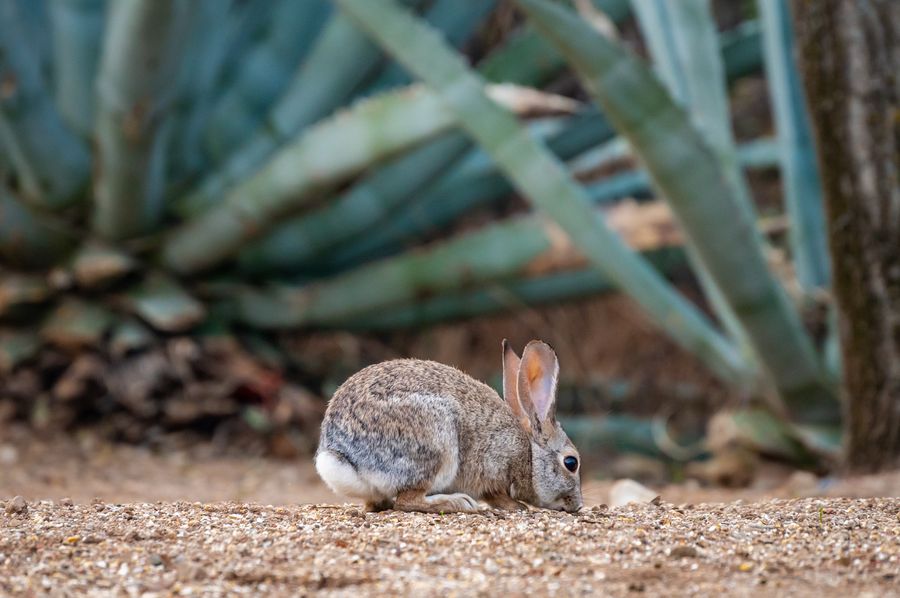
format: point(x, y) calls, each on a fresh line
point(9, 455)
point(682, 552)
point(17, 505)
point(628, 491)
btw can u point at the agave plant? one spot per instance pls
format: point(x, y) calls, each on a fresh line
point(271, 165)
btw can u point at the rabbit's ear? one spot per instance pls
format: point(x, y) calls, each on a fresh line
point(511, 363)
point(538, 373)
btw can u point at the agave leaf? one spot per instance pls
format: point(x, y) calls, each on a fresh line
point(461, 190)
point(354, 212)
point(333, 150)
point(761, 153)
point(616, 10)
point(503, 295)
point(244, 25)
point(340, 147)
point(682, 39)
point(525, 58)
point(698, 189)
point(132, 111)
point(338, 62)
point(767, 434)
point(34, 23)
point(51, 163)
point(528, 59)
point(522, 246)
point(802, 183)
point(370, 206)
point(468, 261)
point(443, 280)
point(230, 28)
point(742, 50)
point(822, 440)
point(456, 20)
point(165, 305)
point(476, 181)
point(77, 27)
point(263, 73)
point(341, 58)
point(622, 433)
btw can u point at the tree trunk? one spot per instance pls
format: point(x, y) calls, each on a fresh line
point(849, 52)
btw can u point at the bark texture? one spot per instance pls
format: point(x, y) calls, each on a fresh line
point(849, 52)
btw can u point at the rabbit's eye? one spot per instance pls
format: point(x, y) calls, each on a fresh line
point(571, 463)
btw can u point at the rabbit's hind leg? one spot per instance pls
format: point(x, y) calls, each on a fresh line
point(416, 500)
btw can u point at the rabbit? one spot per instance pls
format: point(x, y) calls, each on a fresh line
point(417, 435)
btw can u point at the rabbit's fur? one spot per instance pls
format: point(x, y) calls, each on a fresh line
point(422, 436)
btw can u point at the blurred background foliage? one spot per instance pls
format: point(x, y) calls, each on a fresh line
point(212, 211)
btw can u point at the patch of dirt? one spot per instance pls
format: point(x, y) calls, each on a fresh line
point(86, 467)
point(808, 547)
point(89, 467)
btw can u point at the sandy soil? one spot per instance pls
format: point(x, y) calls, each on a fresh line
point(800, 547)
point(116, 520)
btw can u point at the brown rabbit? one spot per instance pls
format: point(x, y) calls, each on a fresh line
point(421, 436)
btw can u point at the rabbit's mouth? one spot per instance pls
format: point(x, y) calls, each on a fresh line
point(569, 504)
point(573, 507)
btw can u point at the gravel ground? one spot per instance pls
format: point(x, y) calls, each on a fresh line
point(190, 522)
point(802, 547)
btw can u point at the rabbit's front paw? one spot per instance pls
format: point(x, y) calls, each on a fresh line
point(437, 503)
point(455, 502)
